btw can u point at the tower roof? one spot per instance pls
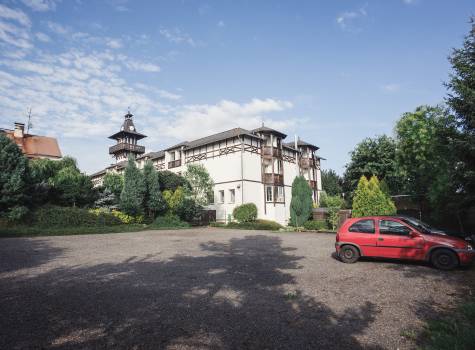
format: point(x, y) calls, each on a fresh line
point(127, 128)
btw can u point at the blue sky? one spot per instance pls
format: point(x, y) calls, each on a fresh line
point(332, 72)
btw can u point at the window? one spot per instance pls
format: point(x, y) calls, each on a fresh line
point(268, 193)
point(362, 226)
point(390, 227)
point(279, 193)
point(172, 156)
point(221, 196)
point(232, 195)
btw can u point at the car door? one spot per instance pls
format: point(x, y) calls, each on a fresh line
point(395, 240)
point(363, 233)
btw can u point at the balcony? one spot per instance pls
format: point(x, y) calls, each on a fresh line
point(269, 152)
point(274, 179)
point(126, 147)
point(174, 163)
point(307, 163)
point(312, 184)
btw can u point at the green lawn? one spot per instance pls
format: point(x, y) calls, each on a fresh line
point(28, 231)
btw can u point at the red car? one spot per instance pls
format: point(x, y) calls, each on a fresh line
point(400, 238)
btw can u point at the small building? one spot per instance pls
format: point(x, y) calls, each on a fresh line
point(33, 146)
point(247, 166)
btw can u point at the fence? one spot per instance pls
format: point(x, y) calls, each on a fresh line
point(323, 214)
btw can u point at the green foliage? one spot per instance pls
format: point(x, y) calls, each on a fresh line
point(171, 181)
point(370, 200)
point(174, 198)
point(131, 198)
point(331, 183)
point(168, 222)
point(256, 225)
point(461, 100)
point(72, 188)
point(301, 203)
point(181, 205)
point(127, 219)
point(14, 178)
point(373, 156)
point(453, 332)
point(153, 203)
point(106, 200)
point(114, 183)
point(201, 184)
point(52, 216)
point(334, 204)
point(316, 225)
point(245, 212)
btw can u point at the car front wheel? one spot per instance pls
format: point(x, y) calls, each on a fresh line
point(444, 259)
point(349, 254)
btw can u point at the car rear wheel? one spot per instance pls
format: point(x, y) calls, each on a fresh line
point(444, 259)
point(349, 254)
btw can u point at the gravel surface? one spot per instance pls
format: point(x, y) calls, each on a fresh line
point(211, 289)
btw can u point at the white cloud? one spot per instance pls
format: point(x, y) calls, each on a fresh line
point(345, 19)
point(57, 28)
point(14, 14)
point(43, 37)
point(177, 36)
point(391, 87)
point(193, 121)
point(41, 5)
point(114, 43)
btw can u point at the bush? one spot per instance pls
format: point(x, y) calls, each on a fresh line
point(245, 212)
point(168, 221)
point(187, 209)
point(301, 203)
point(369, 200)
point(171, 181)
point(68, 216)
point(256, 225)
point(316, 225)
point(127, 219)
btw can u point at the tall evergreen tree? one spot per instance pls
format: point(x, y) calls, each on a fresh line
point(14, 177)
point(461, 100)
point(301, 203)
point(153, 199)
point(131, 198)
point(331, 182)
point(369, 200)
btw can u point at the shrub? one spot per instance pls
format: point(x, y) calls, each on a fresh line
point(301, 202)
point(187, 209)
point(168, 221)
point(256, 225)
point(316, 225)
point(334, 204)
point(127, 219)
point(370, 200)
point(171, 181)
point(52, 216)
point(245, 212)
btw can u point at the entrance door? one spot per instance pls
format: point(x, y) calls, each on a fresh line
point(395, 241)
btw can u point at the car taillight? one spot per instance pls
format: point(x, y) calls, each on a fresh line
point(337, 237)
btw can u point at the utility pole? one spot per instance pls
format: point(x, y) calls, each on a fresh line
point(29, 124)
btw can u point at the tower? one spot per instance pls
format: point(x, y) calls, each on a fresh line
point(126, 139)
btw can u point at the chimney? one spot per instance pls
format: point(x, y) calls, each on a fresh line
point(19, 131)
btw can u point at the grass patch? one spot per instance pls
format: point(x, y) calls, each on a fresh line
point(28, 231)
point(454, 332)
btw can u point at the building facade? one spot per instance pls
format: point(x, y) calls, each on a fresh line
point(247, 166)
point(33, 146)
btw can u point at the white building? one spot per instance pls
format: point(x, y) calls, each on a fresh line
point(247, 166)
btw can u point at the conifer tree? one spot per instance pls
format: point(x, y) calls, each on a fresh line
point(153, 200)
point(370, 200)
point(301, 203)
point(131, 198)
point(14, 176)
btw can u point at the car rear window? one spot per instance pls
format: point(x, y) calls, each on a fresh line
point(362, 226)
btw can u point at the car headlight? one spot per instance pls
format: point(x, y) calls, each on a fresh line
point(469, 247)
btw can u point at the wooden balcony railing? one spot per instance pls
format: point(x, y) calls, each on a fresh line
point(174, 163)
point(312, 184)
point(126, 147)
point(274, 179)
point(307, 163)
point(269, 152)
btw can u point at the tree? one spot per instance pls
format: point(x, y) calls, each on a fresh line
point(200, 182)
point(131, 198)
point(331, 182)
point(461, 99)
point(14, 179)
point(106, 199)
point(425, 153)
point(171, 181)
point(375, 156)
point(369, 200)
point(71, 188)
point(114, 183)
point(153, 199)
point(301, 202)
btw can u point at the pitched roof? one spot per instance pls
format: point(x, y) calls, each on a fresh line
point(35, 146)
point(228, 134)
point(301, 143)
point(265, 129)
point(153, 155)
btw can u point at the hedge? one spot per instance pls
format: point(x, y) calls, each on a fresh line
point(245, 212)
point(256, 225)
point(52, 216)
point(316, 225)
point(168, 221)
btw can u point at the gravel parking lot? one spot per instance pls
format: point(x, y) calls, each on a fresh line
point(211, 289)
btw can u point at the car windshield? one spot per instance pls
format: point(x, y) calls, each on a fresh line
point(418, 224)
